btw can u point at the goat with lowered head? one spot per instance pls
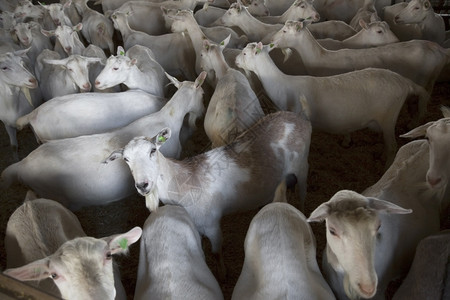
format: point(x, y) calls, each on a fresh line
point(367, 247)
point(280, 256)
point(171, 260)
point(240, 176)
point(44, 240)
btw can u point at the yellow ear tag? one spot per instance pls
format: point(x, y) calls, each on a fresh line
point(161, 139)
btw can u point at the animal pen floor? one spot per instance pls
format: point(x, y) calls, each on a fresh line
point(332, 168)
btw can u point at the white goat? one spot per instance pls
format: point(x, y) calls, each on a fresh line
point(70, 170)
point(343, 10)
point(234, 106)
point(238, 15)
point(352, 220)
point(184, 21)
point(173, 51)
point(171, 260)
point(59, 77)
point(29, 36)
point(15, 80)
point(88, 113)
point(334, 29)
point(149, 17)
point(300, 9)
point(428, 273)
point(376, 33)
point(208, 14)
point(280, 256)
point(44, 240)
point(68, 38)
point(97, 28)
point(136, 68)
point(58, 14)
point(229, 179)
point(416, 20)
point(438, 138)
point(367, 12)
point(368, 98)
point(422, 64)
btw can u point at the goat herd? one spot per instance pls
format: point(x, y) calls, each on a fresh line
point(206, 140)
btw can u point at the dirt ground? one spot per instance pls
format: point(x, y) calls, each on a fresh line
point(332, 168)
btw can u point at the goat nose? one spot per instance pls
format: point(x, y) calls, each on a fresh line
point(68, 49)
point(367, 289)
point(433, 181)
point(87, 86)
point(141, 186)
point(317, 17)
point(97, 83)
point(33, 81)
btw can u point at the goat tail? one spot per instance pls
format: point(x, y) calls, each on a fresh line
point(23, 121)
point(288, 182)
point(9, 176)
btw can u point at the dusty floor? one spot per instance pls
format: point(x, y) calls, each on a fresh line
point(332, 168)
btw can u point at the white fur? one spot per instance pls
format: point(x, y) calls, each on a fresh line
point(300, 9)
point(227, 179)
point(234, 106)
point(44, 240)
point(173, 51)
point(137, 69)
point(375, 33)
point(280, 257)
point(29, 35)
point(171, 262)
point(369, 98)
point(74, 173)
point(90, 113)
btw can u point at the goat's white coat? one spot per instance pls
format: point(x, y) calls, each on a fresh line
point(228, 179)
point(375, 33)
point(171, 260)
point(30, 36)
point(280, 257)
point(44, 238)
point(136, 68)
point(89, 113)
point(74, 173)
point(427, 278)
point(14, 79)
point(300, 9)
point(234, 106)
point(368, 98)
point(393, 247)
point(59, 77)
point(422, 65)
point(173, 51)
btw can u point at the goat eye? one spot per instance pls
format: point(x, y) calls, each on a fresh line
point(379, 226)
point(115, 69)
point(54, 276)
point(152, 151)
point(108, 255)
point(4, 68)
point(126, 159)
point(332, 231)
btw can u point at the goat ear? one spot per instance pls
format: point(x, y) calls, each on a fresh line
point(78, 27)
point(47, 33)
point(119, 243)
point(445, 111)
point(225, 42)
point(200, 79)
point(162, 136)
point(363, 24)
point(418, 131)
point(114, 155)
point(173, 80)
point(387, 207)
point(36, 270)
point(319, 214)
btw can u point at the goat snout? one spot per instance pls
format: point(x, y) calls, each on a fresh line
point(316, 18)
point(86, 87)
point(368, 290)
point(97, 83)
point(33, 82)
point(68, 50)
point(142, 186)
point(433, 182)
